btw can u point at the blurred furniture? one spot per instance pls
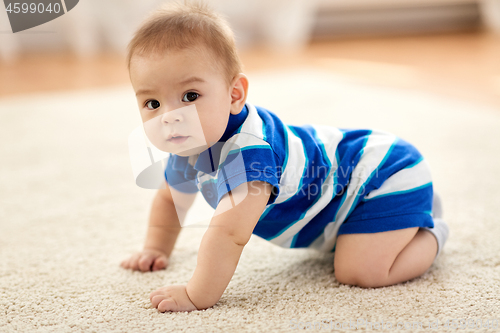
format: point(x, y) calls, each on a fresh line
point(95, 25)
point(347, 18)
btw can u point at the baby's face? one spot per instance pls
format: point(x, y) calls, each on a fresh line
point(183, 100)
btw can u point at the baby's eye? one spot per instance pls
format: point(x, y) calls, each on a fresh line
point(190, 97)
point(153, 104)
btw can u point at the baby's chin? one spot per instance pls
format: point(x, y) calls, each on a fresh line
point(185, 152)
point(191, 146)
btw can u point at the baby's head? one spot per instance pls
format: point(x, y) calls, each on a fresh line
point(186, 74)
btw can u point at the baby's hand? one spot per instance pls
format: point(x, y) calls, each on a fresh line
point(146, 260)
point(171, 298)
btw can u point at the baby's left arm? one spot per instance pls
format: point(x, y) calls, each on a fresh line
point(229, 231)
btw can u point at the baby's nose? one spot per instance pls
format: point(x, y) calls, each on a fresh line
point(174, 116)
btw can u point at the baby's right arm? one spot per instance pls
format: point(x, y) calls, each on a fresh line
point(164, 227)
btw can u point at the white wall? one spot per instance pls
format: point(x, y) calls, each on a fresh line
point(95, 25)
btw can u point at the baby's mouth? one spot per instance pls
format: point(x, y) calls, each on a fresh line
point(177, 138)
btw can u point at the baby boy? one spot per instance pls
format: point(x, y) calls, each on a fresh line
point(364, 194)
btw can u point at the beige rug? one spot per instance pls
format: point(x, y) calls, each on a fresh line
point(70, 212)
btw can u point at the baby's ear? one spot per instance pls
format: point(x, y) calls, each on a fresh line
point(239, 93)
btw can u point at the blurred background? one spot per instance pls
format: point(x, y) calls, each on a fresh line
point(446, 46)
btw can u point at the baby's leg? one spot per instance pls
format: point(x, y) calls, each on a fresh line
point(390, 257)
point(383, 258)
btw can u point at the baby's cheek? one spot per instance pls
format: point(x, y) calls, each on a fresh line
point(200, 140)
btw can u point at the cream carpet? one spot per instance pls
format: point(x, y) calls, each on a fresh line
point(70, 212)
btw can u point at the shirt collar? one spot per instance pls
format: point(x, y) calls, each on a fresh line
point(208, 160)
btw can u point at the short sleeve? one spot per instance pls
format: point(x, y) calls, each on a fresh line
point(180, 174)
point(257, 162)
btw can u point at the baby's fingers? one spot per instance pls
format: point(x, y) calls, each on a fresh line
point(145, 262)
point(160, 263)
point(130, 263)
point(124, 263)
point(168, 305)
point(156, 297)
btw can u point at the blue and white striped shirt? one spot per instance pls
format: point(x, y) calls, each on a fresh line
point(322, 176)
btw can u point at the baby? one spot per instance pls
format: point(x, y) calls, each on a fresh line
point(365, 195)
